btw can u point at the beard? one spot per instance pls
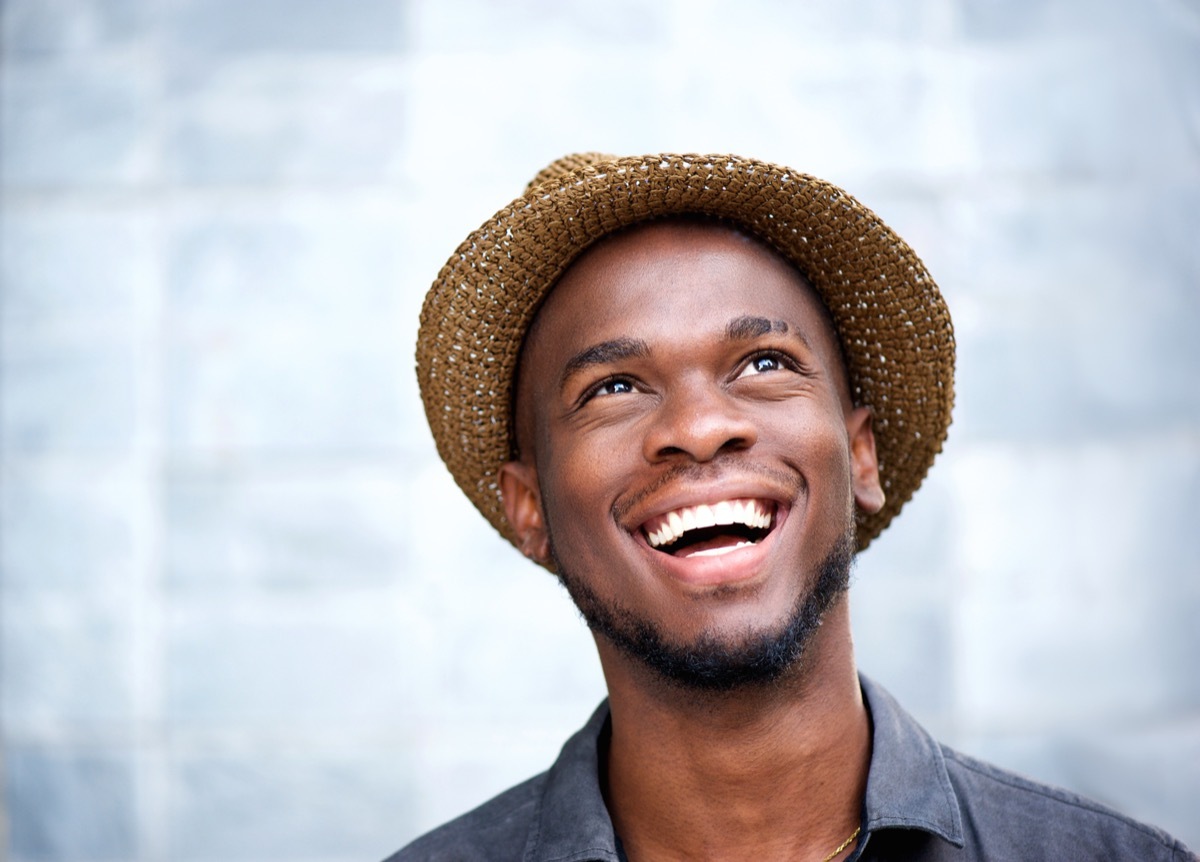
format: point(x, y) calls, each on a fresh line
point(710, 664)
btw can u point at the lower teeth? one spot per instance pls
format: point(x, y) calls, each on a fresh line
point(714, 552)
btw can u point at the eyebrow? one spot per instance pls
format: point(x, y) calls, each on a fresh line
point(747, 327)
point(605, 352)
point(742, 328)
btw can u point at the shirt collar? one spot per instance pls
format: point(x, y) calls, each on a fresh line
point(572, 822)
point(908, 787)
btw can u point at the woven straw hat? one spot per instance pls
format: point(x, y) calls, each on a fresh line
point(893, 324)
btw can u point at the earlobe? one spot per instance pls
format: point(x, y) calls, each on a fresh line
point(864, 463)
point(523, 507)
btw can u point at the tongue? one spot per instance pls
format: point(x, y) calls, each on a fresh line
point(715, 545)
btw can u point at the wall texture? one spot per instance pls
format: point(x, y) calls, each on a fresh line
point(246, 615)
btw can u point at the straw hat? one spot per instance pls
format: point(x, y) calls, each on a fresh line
point(893, 324)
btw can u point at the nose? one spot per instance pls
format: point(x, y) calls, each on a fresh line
point(698, 422)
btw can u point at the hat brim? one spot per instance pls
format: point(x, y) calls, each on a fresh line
point(894, 327)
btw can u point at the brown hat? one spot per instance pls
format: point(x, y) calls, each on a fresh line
point(893, 324)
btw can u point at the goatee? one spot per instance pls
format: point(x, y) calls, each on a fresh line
point(708, 663)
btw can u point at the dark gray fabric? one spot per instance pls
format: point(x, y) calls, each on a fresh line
point(924, 801)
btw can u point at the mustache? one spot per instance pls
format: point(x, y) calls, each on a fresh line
point(711, 471)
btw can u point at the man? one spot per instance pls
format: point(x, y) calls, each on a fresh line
point(693, 387)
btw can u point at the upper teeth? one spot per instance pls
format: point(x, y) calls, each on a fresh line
point(669, 527)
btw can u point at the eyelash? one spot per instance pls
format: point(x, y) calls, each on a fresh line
point(594, 390)
point(785, 360)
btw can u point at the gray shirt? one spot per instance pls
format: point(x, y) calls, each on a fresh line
point(924, 801)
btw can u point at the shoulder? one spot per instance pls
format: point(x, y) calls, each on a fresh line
point(497, 830)
point(1012, 817)
point(559, 814)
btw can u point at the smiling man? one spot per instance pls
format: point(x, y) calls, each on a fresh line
point(693, 388)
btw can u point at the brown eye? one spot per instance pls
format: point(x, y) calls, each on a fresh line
point(762, 363)
point(613, 386)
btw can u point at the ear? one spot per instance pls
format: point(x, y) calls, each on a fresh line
point(864, 464)
point(523, 506)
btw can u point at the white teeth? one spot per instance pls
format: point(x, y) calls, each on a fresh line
point(752, 513)
point(716, 552)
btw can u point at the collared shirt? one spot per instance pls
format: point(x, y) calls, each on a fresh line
point(924, 801)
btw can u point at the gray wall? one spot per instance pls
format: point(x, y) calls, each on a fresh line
point(246, 615)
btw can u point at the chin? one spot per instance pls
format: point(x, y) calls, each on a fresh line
point(711, 661)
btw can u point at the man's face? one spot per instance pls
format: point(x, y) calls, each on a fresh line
point(690, 456)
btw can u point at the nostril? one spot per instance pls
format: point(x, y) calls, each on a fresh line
point(668, 451)
point(735, 444)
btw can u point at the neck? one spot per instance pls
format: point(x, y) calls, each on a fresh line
point(763, 773)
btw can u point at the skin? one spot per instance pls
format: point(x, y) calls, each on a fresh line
point(673, 364)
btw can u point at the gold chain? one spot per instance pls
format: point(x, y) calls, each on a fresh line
point(843, 845)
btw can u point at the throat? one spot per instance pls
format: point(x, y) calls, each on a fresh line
point(727, 783)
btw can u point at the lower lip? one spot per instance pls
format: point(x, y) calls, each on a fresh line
point(731, 567)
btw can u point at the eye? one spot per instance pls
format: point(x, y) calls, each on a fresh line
point(765, 362)
point(611, 386)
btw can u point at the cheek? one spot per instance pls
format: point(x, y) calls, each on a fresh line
point(590, 460)
point(580, 483)
point(837, 477)
point(816, 445)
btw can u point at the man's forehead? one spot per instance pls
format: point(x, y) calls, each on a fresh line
point(657, 247)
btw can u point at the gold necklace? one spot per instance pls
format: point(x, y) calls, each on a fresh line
point(843, 845)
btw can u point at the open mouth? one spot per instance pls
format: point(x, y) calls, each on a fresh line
point(711, 529)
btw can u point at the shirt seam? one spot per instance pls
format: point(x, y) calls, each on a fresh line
point(893, 822)
point(579, 855)
point(1036, 789)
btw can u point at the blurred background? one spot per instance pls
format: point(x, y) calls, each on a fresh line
point(245, 613)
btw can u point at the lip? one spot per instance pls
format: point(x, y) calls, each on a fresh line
point(733, 567)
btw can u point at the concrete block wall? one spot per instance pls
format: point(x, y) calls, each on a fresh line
point(246, 615)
